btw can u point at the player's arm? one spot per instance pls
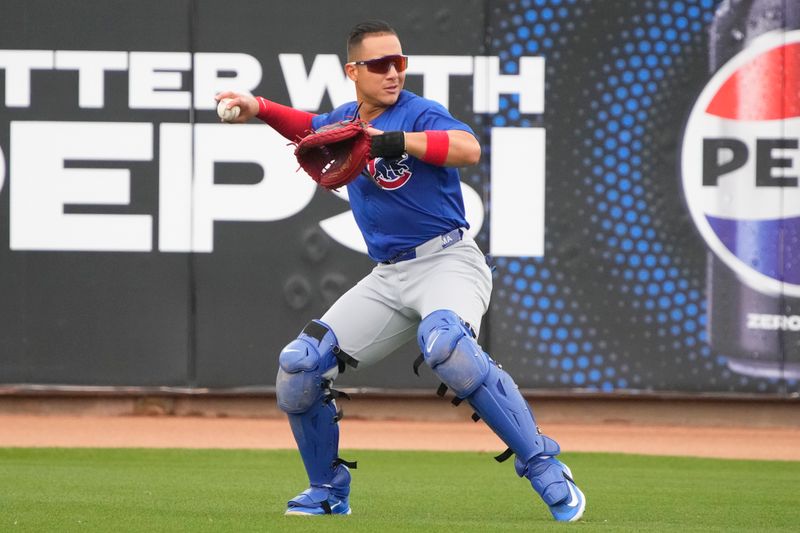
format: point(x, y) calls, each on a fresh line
point(458, 148)
point(289, 122)
point(445, 148)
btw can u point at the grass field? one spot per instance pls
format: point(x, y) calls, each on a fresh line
point(223, 490)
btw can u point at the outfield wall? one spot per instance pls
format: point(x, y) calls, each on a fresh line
point(143, 244)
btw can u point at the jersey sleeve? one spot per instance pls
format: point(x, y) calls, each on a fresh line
point(343, 112)
point(437, 117)
point(320, 120)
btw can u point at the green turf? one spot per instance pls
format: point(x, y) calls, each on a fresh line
point(215, 490)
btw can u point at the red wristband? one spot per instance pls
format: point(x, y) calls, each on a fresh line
point(438, 145)
point(289, 122)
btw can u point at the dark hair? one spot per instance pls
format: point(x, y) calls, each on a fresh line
point(361, 30)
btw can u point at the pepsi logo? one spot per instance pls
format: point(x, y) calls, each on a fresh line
point(740, 163)
point(389, 174)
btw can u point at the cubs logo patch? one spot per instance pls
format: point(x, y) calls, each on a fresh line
point(389, 174)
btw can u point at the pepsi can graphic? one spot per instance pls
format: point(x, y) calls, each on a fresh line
point(741, 181)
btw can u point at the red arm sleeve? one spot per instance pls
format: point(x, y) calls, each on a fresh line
point(289, 122)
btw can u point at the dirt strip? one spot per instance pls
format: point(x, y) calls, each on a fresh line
point(206, 432)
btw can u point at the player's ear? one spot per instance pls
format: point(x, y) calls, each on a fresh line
point(351, 71)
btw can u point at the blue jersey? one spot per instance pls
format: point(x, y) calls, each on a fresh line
point(408, 201)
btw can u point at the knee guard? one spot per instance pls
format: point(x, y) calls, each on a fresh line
point(449, 348)
point(307, 367)
point(304, 365)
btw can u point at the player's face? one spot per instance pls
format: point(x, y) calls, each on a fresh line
point(380, 89)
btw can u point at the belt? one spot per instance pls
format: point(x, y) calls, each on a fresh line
point(440, 242)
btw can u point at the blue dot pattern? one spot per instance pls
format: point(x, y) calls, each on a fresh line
point(614, 304)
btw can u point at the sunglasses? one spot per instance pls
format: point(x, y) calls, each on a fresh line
point(382, 65)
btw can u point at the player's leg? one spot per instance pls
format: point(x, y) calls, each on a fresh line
point(448, 345)
point(307, 367)
point(370, 321)
point(456, 358)
point(370, 329)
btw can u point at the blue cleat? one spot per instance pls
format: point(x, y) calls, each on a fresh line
point(552, 479)
point(327, 499)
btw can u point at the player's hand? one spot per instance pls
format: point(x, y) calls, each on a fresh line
point(248, 105)
point(374, 131)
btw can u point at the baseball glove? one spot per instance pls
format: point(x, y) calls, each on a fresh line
point(335, 155)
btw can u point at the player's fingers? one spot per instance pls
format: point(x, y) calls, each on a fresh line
point(234, 101)
point(225, 94)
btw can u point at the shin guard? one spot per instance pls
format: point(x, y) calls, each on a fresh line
point(308, 365)
point(451, 351)
point(456, 358)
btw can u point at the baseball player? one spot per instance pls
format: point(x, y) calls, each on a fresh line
point(431, 281)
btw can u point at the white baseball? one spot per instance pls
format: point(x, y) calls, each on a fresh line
point(228, 115)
